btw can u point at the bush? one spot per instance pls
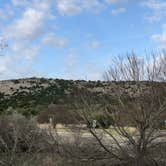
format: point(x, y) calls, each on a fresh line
point(21, 141)
point(103, 121)
point(43, 117)
point(58, 113)
point(162, 125)
point(16, 81)
point(20, 135)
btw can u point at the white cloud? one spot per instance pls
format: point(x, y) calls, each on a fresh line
point(30, 53)
point(73, 7)
point(3, 43)
point(54, 40)
point(38, 4)
point(20, 2)
point(92, 71)
point(71, 64)
point(29, 26)
point(117, 1)
point(95, 44)
point(7, 67)
point(23, 33)
point(20, 63)
point(2, 14)
point(43, 5)
point(96, 76)
point(25, 52)
point(118, 11)
point(160, 38)
point(33, 20)
point(71, 60)
point(6, 12)
point(158, 9)
point(155, 4)
point(88, 71)
point(4, 62)
point(68, 7)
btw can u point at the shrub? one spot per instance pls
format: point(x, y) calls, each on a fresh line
point(162, 125)
point(20, 135)
point(58, 113)
point(43, 117)
point(103, 121)
point(16, 81)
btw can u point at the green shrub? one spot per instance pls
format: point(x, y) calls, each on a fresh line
point(16, 81)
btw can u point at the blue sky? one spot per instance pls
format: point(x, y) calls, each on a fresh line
point(76, 39)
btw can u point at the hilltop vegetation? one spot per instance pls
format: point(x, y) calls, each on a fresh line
point(32, 95)
point(29, 94)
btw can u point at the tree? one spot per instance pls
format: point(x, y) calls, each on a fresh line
point(142, 105)
point(21, 141)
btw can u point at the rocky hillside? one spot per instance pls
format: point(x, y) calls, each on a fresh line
point(31, 94)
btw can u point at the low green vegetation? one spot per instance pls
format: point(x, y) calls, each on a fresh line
point(42, 92)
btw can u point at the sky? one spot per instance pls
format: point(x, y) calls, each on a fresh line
point(76, 39)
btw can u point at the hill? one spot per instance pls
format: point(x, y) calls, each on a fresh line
point(31, 95)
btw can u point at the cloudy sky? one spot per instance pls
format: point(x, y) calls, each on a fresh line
point(76, 39)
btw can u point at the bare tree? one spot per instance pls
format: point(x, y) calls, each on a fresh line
point(21, 141)
point(139, 86)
